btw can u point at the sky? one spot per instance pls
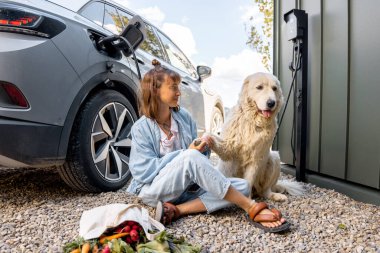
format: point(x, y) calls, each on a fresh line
point(211, 33)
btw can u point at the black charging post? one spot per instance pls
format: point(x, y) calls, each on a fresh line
point(297, 32)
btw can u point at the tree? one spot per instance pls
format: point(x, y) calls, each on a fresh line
point(261, 38)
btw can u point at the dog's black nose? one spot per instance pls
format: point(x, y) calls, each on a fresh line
point(271, 103)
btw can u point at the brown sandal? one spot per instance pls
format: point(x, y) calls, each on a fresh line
point(255, 218)
point(277, 213)
point(166, 212)
point(256, 209)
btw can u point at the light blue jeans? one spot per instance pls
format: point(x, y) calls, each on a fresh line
point(173, 183)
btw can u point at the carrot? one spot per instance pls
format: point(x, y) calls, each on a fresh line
point(95, 249)
point(75, 250)
point(86, 247)
point(109, 238)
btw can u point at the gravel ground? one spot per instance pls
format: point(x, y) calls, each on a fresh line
point(39, 213)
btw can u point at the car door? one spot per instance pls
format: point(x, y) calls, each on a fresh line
point(191, 98)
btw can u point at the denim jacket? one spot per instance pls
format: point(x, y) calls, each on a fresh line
point(145, 161)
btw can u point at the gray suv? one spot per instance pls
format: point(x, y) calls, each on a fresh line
point(65, 101)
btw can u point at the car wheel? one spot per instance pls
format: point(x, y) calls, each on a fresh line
point(100, 143)
point(216, 121)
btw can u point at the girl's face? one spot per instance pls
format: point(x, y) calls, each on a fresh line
point(169, 93)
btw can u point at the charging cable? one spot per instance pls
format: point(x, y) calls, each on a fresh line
point(134, 55)
point(294, 66)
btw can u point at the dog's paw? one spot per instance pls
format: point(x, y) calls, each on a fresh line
point(212, 140)
point(277, 197)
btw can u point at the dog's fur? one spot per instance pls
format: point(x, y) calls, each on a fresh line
point(245, 142)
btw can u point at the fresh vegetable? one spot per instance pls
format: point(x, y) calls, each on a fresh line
point(106, 249)
point(86, 247)
point(119, 246)
point(126, 229)
point(71, 247)
point(110, 237)
point(95, 249)
point(131, 223)
point(167, 243)
point(128, 240)
point(134, 233)
point(154, 247)
point(129, 237)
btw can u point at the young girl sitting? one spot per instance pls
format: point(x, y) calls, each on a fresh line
point(169, 168)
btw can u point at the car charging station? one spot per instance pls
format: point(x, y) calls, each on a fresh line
point(297, 32)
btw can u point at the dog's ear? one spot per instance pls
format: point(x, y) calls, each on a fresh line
point(244, 90)
point(277, 81)
point(281, 96)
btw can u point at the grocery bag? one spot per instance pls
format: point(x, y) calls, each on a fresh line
point(94, 222)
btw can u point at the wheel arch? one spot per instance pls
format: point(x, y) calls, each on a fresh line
point(101, 81)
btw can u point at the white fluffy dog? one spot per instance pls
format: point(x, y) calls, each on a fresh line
point(245, 142)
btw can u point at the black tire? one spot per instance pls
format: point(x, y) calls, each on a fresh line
point(85, 169)
point(216, 121)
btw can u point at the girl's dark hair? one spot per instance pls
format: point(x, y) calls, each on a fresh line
point(152, 81)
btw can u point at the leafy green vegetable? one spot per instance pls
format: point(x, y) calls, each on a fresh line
point(70, 246)
point(153, 247)
point(119, 246)
point(167, 243)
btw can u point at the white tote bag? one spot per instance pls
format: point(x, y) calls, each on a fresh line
point(95, 221)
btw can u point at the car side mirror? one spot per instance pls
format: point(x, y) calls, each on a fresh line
point(134, 33)
point(203, 72)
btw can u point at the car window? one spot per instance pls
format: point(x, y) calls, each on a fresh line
point(94, 12)
point(112, 21)
point(125, 17)
point(176, 57)
point(152, 44)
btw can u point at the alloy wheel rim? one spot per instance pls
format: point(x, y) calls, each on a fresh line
point(111, 141)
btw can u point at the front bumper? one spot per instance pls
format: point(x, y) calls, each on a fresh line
point(29, 144)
